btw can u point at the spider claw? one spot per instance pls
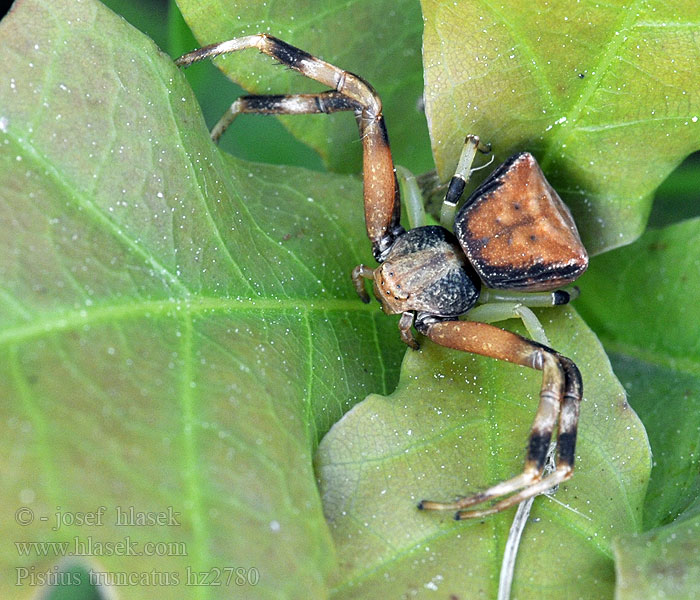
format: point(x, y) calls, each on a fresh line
point(432, 505)
point(523, 482)
point(463, 515)
point(484, 148)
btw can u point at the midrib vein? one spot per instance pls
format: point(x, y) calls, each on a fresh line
point(74, 319)
point(191, 460)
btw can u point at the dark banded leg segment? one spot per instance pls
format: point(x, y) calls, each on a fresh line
point(296, 104)
point(382, 202)
point(455, 189)
point(560, 397)
point(531, 299)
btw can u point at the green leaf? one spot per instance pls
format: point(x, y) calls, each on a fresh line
point(178, 328)
point(604, 94)
point(650, 330)
point(456, 424)
point(661, 563)
point(379, 40)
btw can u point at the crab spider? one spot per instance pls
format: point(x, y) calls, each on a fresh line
point(512, 234)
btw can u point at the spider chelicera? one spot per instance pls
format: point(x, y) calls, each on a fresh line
point(513, 234)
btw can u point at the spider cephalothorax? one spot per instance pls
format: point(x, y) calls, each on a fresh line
point(513, 233)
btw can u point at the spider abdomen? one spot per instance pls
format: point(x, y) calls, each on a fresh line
point(426, 271)
point(517, 232)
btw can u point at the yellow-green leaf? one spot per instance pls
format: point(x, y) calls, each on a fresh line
point(606, 95)
point(456, 424)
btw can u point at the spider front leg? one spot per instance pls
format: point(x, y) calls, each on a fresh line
point(560, 397)
point(292, 104)
point(460, 178)
point(348, 92)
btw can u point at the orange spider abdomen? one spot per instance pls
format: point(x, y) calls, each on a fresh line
point(517, 232)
